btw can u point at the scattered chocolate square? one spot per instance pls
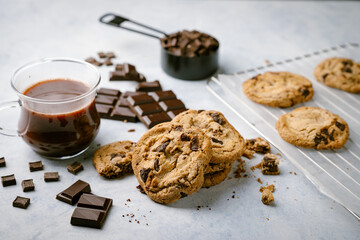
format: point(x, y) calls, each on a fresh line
point(93, 61)
point(21, 202)
point(75, 167)
point(101, 55)
point(8, 180)
point(51, 176)
point(91, 211)
point(270, 165)
point(72, 194)
point(28, 185)
point(127, 72)
point(110, 55)
point(2, 162)
point(36, 166)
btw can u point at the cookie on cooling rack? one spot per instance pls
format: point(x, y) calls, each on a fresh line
point(341, 73)
point(278, 89)
point(313, 127)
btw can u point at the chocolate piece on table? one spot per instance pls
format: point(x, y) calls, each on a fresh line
point(21, 202)
point(93, 61)
point(75, 167)
point(2, 162)
point(126, 71)
point(51, 176)
point(27, 185)
point(111, 104)
point(150, 112)
point(8, 180)
point(36, 166)
point(108, 62)
point(149, 86)
point(72, 194)
point(110, 55)
point(101, 55)
point(270, 165)
point(91, 211)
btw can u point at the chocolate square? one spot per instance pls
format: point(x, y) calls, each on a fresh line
point(21, 202)
point(27, 185)
point(36, 166)
point(75, 167)
point(8, 180)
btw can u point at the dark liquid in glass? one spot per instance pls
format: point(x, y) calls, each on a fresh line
point(60, 133)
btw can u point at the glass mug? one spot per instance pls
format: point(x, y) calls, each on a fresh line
point(58, 116)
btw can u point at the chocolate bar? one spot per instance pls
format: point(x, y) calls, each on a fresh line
point(110, 105)
point(75, 167)
point(2, 162)
point(149, 86)
point(126, 71)
point(36, 166)
point(152, 112)
point(72, 194)
point(27, 185)
point(51, 176)
point(21, 202)
point(8, 180)
point(189, 44)
point(91, 211)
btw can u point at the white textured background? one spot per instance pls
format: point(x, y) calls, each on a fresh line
point(249, 33)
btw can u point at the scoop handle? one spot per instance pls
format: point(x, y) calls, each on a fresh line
point(117, 21)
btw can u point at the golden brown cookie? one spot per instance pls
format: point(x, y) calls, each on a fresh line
point(341, 73)
point(114, 159)
point(227, 144)
point(169, 161)
point(313, 127)
point(278, 89)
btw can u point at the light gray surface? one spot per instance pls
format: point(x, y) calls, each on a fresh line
point(249, 33)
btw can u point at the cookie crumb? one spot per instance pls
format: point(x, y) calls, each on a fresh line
point(267, 197)
point(248, 153)
point(131, 130)
point(259, 180)
point(270, 165)
point(240, 169)
point(258, 145)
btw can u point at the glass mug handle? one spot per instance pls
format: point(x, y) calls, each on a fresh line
point(4, 106)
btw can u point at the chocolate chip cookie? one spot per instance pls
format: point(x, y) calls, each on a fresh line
point(169, 161)
point(278, 89)
point(342, 73)
point(313, 127)
point(226, 142)
point(114, 159)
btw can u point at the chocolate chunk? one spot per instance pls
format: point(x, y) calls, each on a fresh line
point(110, 55)
point(320, 138)
point(91, 211)
point(156, 165)
point(90, 60)
point(184, 137)
point(194, 144)
point(2, 162)
point(8, 180)
point(269, 165)
point(340, 126)
point(101, 55)
point(27, 185)
point(36, 166)
point(148, 86)
point(126, 71)
point(304, 92)
point(108, 62)
point(72, 194)
point(144, 174)
point(21, 202)
point(108, 103)
point(162, 147)
point(51, 176)
point(75, 167)
point(148, 108)
point(258, 145)
point(183, 194)
point(324, 76)
point(216, 140)
point(172, 104)
point(216, 117)
point(179, 128)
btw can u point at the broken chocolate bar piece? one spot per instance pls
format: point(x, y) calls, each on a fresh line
point(72, 194)
point(151, 112)
point(8, 180)
point(111, 104)
point(27, 185)
point(75, 167)
point(51, 176)
point(149, 86)
point(101, 55)
point(91, 211)
point(270, 165)
point(127, 72)
point(36, 166)
point(2, 162)
point(21, 202)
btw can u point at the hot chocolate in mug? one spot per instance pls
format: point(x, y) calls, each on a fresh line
point(58, 116)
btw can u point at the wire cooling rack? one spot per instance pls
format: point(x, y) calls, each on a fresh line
point(336, 173)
